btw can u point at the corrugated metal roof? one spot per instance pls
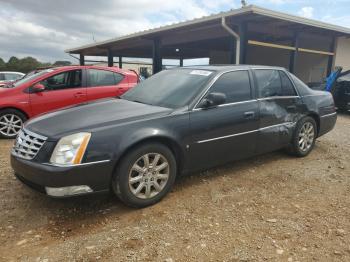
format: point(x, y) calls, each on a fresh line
point(234, 12)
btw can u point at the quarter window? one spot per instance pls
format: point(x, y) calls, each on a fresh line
point(68, 79)
point(269, 83)
point(287, 86)
point(235, 85)
point(11, 76)
point(103, 78)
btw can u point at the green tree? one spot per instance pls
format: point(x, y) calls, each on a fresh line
point(62, 63)
point(12, 64)
point(2, 65)
point(28, 64)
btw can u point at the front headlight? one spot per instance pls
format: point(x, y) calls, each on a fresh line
point(70, 149)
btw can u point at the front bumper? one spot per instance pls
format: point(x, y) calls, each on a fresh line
point(58, 181)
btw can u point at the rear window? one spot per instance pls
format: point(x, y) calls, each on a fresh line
point(287, 86)
point(103, 78)
point(269, 83)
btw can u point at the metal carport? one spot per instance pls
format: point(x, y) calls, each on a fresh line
point(250, 34)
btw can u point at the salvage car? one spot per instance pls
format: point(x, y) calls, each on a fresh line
point(55, 88)
point(176, 122)
point(338, 84)
point(8, 77)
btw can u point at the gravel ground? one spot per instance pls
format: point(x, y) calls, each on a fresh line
point(273, 207)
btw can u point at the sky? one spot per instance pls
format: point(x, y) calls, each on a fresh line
point(45, 28)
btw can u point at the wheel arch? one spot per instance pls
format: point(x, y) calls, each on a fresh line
point(316, 117)
point(15, 108)
point(170, 143)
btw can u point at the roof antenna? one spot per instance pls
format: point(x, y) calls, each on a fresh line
point(244, 3)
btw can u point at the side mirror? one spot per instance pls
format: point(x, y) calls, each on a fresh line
point(213, 99)
point(37, 88)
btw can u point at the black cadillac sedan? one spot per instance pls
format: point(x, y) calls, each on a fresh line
point(178, 121)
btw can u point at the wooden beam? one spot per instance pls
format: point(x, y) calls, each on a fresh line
point(315, 51)
point(252, 42)
point(292, 48)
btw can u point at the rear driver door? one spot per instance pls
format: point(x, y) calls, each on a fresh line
point(104, 83)
point(279, 106)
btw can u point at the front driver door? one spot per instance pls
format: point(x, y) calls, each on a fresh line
point(61, 90)
point(226, 132)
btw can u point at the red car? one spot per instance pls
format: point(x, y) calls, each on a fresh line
point(56, 88)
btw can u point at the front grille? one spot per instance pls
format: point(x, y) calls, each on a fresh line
point(28, 144)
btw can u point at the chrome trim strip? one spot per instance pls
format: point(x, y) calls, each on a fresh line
point(223, 137)
point(228, 104)
point(315, 95)
point(244, 133)
point(237, 103)
point(82, 164)
point(328, 115)
point(276, 97)
point(282, 124)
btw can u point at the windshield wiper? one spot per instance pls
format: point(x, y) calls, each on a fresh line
point(137, 101)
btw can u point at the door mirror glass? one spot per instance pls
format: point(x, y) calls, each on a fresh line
point(213, 99)
point(38, 88)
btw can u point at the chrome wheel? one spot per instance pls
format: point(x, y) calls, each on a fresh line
point(306, 136)
point(149, 175)
point(10, 125)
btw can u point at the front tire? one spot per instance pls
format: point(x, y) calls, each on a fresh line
point(145, 175)
point(304, 137)
point(11, 122)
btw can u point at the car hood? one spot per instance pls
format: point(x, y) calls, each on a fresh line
point(92, 116)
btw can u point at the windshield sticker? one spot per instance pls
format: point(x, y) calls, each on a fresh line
point(201, 73)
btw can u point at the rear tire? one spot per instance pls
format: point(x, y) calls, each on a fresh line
point(11, 122)
point(304, 137)
point(145, 175)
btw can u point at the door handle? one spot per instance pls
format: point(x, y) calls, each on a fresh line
point(77, 95)
point(249, 115)
point(292, 108)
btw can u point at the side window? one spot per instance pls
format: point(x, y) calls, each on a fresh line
point(118, 78)
point(235, 85)
point(103, 78)
point(64, 80)
point(2, 77)
point(287, 86)
point(269, 82)
point(11, 76)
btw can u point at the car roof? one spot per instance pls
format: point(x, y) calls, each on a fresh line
point(113, 68)
point(221, 68)
point(11, 72)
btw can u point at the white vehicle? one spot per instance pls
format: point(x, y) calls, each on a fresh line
point(8, 77)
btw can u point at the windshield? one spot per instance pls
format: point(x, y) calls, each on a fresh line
point(170, 88)
point(30, 77)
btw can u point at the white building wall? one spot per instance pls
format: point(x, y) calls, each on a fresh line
point(342, 57)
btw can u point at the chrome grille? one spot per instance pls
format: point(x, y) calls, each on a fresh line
point(28, 144)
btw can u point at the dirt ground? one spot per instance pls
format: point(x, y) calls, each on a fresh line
point(273, 208)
